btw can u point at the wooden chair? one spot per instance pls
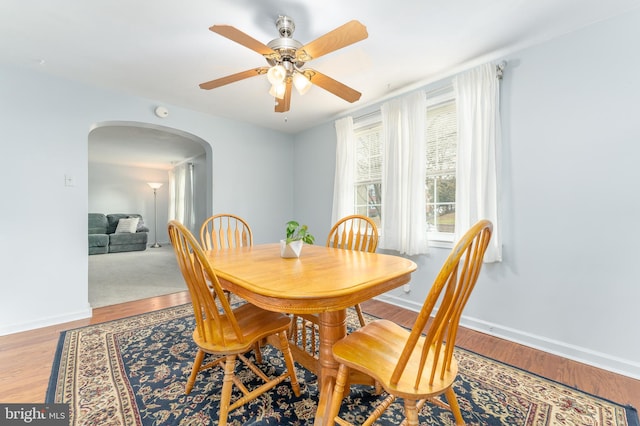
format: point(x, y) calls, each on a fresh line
point(407, 363)
point(225, 332)
point(222, 231)
point(353, 232)
point(225, 231)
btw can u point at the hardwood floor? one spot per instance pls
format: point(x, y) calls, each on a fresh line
point(615, 387)
point(26, 358)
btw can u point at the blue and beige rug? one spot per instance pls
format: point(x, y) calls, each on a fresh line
point(133, 372)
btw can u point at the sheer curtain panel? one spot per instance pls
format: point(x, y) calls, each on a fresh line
point(181, 195)
point(477, 95)
point(404, 172)
point(344, 181)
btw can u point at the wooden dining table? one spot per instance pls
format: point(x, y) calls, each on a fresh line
point(323, 281)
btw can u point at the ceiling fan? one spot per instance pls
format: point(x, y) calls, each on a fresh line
point(286, 58)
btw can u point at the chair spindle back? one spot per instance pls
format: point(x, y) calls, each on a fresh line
point(223, 231)
point(354, 232)
point(452, 287)
point(213, 313)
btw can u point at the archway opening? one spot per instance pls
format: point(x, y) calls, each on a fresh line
point(123, 157)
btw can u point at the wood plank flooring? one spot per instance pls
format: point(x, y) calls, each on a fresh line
point(26, 358)
point(615, 387)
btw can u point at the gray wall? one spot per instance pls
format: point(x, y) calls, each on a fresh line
point(46, 122)
point(568, 283)
point(124, 189)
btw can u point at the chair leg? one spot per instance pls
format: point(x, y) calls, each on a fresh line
point(338, 393)
point(197, 362)
point(288, 359)
point(455, 407)
point(257, 352)
point(360, 316)
point(377, 387)
point(227, 387)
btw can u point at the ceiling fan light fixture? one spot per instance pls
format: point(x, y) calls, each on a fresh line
point(286, 56)
point(278, 90)
point(301, 82)
point(276, 74)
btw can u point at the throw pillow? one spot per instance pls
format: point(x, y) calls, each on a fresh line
point(127, 225)
point(141, 226)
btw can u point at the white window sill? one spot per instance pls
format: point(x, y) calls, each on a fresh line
point(440, 240)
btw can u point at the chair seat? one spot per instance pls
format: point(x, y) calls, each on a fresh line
point(255, 323)
point(375, 350)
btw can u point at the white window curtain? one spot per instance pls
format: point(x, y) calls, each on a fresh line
point(404, 226)
point(344, 181)
point(181, 195)
point(477, 97)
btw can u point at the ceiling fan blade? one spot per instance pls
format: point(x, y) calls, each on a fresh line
point(283, 105)
point(333, 86)
point(349, 33)
point(239, 37)
point(233, 77)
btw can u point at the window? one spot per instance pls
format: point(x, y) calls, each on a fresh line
point(440, 162)
point(442, 143)
point(368, 179)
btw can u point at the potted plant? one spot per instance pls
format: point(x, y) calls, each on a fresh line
point(297, 235)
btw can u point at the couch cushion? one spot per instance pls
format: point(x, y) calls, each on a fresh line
point(98, 243)
point(127, 238)
point(98, 250)
point(127, 225)
point(98, 240)
point(97, 223)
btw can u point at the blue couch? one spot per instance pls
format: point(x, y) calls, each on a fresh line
point(104, 239)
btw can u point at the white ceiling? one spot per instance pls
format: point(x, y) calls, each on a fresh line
point(162, 49)
point(136, 146)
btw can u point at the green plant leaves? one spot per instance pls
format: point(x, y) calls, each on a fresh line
point(296, 232)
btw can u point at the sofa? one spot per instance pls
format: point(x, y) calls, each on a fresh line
point(109, 234)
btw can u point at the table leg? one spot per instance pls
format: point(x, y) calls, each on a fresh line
point(333, 327)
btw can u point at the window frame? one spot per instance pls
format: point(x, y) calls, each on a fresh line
point(436, 98)
point(374, 119)
point(363, 124)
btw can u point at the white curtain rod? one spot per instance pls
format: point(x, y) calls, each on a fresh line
point(187, 160)
point(499, 74)
point(500, 69)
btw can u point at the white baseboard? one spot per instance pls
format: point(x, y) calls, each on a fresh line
point(576, 353)
point(46, 322)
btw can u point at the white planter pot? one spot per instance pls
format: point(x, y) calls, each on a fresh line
point(291, 250)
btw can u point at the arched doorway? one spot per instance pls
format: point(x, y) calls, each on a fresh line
point(122, 158)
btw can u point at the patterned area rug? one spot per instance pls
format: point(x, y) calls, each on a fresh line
point(133, 372)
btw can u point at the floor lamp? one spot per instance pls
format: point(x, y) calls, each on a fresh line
point(155, 186)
